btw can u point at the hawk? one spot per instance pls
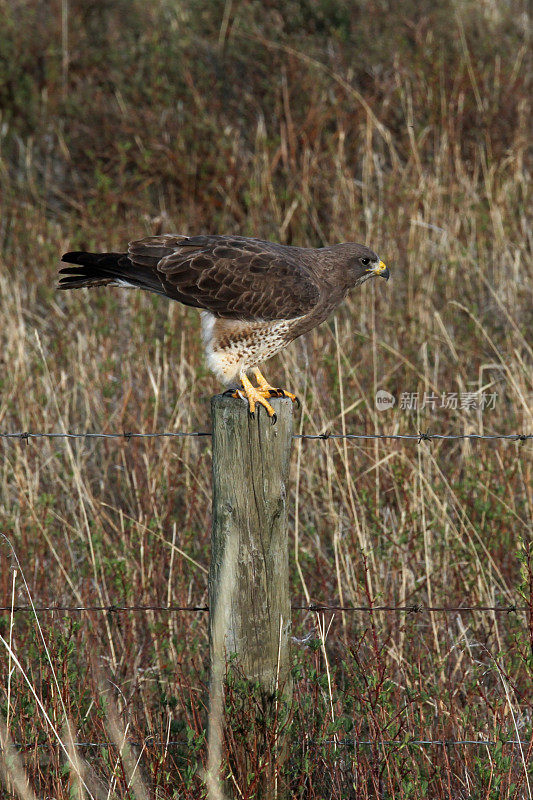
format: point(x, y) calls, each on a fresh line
point(255, 297)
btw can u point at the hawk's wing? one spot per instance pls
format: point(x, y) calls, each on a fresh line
point(230, 276)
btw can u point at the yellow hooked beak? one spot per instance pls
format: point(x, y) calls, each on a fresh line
point(382, 270)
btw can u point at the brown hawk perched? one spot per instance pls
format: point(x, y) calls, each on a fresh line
point(255, 296)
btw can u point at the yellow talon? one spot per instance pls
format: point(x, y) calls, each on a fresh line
point(254, 396)
point(261, 394)
point(270, 391)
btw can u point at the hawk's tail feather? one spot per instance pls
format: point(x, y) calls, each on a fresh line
point(100, 269)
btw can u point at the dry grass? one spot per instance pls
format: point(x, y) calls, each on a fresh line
point(307, 123)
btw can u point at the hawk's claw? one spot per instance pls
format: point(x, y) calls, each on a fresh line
point(254, 397)
point(257, 396)
point(284, 393)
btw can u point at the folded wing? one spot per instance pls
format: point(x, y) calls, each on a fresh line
point(232, 277)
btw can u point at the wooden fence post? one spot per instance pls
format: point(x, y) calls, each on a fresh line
point(249, 601)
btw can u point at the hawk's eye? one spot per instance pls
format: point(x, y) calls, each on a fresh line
point(365, 262)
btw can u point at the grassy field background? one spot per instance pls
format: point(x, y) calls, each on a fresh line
point(404, 126)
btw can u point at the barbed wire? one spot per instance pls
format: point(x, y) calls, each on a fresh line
point(418, 437)
point(150, 742)
point(108, 608)
point(421, 436)
point(414, 609)
point(315, 607)
point(27, 435)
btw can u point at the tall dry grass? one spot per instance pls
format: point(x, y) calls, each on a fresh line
point(305, 123)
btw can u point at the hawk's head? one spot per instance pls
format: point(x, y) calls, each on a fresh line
point(366, 264)
point(360, 263)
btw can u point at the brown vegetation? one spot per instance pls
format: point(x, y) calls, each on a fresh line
point(400, 125)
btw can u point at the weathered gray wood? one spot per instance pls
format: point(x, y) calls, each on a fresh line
point(249, 602)
point(250, 487)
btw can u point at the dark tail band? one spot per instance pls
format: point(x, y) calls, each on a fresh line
point(100, 269)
